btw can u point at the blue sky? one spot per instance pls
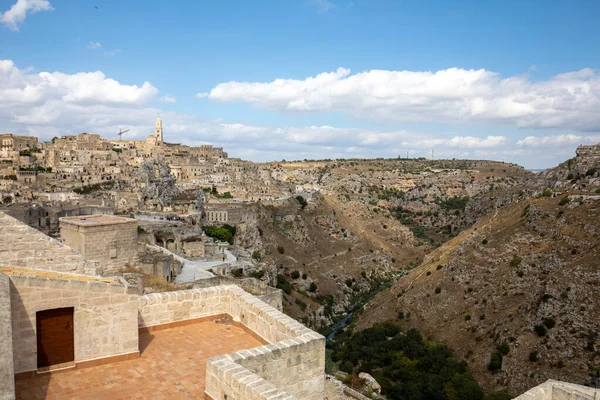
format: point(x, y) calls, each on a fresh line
point(301, 79)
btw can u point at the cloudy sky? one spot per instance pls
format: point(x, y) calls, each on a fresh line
point(294, 79)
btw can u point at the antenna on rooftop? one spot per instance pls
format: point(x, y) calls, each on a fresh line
point(121, 132)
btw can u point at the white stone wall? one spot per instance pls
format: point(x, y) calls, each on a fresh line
point(167, 307)
point(111, 245)
point(7, 372)
point(557, 390)
point(23, 246)
point(292, 366)
point(105, 317)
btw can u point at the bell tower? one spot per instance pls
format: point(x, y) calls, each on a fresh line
point(158, 131)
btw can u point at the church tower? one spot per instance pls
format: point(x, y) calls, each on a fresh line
point(158, 130)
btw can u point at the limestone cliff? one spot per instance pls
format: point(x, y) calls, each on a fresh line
point(522, 282)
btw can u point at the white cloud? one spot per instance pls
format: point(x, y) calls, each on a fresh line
point(568, 100)
point(323, 5)
point(18, 12)
point(48, 104)
point(94, 45)
point(201, 95)
point(569, 140)
point(112, 52)
point(19, 89)
point(168, 99)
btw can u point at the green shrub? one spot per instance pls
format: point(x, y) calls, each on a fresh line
point(438, 290)
point(501, 395)
point(495, 362)
point(467, 317)
point(304, 276)
point(295, 274)
point(237, 273)
point(313, 287)
point(140, 229)
point(564, 201)
point(284, 285)
point(301, 304)
point(516, 261)
point(428, 273)
point(503, 349)
point(439, 267)
point(223, 234)
point(400, 315)
point(259, 273)
point(484, 241)
point(256, 255)
point(406, 365)
point(533, 356)
point(540, 330)
point(549, 322)
point(590, 172)
point(280, 249)
point(454, 203)
point(547, 192)
point(302, 202)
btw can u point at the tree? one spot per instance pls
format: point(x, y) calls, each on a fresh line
point(302, 201)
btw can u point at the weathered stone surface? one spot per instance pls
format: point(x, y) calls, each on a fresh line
point(7, 382)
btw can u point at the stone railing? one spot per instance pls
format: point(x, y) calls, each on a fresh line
point(557, 390)
point(258, 288)
point(291, 366)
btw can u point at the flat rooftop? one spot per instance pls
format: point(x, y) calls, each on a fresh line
point(172, 366)
point(94, 220)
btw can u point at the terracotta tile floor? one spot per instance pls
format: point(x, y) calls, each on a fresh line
point(172, 366)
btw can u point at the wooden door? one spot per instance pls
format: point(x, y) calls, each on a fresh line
point(55, 341)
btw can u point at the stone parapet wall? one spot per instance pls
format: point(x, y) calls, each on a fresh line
point(557, 390)
point(182, 305)
point(291, 366)
point(23, 246)
point(7, 371)
point(260, 289)
point(105, 317)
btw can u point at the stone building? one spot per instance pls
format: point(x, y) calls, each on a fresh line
point(224, 213)
point(107, 239)
point(59, 314)
point(10, 142)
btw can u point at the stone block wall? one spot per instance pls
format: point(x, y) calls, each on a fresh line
point(260, 289)
point(7, 372)
point(291, 366)
point(23, 246)
point(113, 245)
point(167, 307)
point(105, 317)
point(557, 390)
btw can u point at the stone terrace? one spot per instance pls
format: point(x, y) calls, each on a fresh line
point(172, 366)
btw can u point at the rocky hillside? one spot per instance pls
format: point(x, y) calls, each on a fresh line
point(516, 294)
point(371, 220)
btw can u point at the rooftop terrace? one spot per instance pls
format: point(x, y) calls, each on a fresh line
point(172, 366)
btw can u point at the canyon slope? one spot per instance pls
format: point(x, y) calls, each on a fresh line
point(516, 294)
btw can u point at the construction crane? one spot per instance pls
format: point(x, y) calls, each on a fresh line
point(121, 132)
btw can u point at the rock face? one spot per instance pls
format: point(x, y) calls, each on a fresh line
point(369, 221)
point(370, 382)
point(522, 282)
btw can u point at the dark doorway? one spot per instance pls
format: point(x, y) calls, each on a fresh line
point(55, 341)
